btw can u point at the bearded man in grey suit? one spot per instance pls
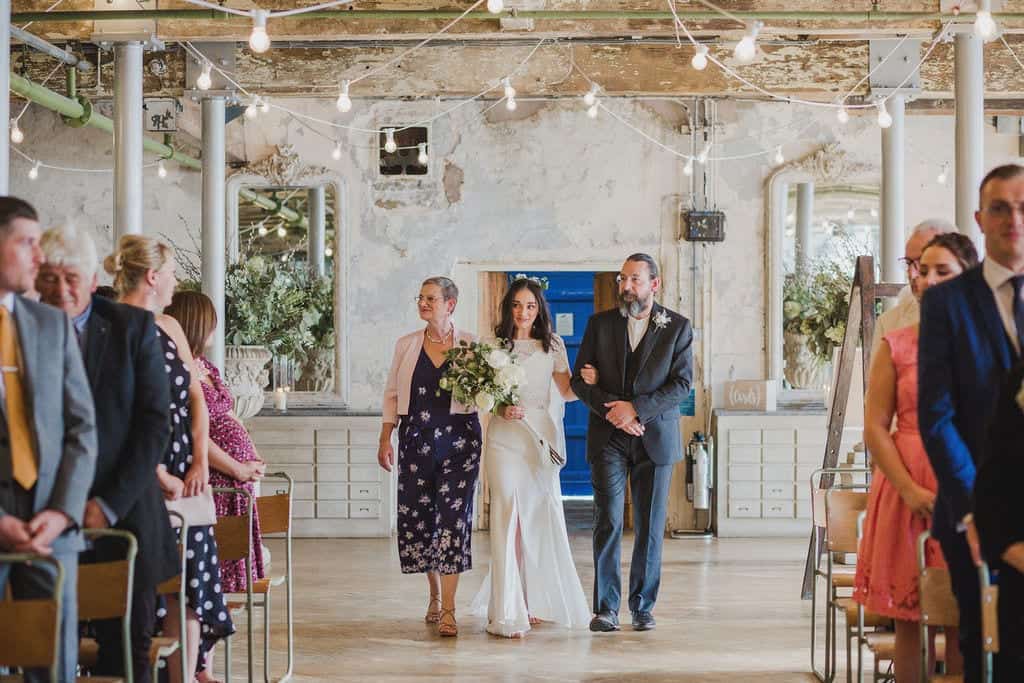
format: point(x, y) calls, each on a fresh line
point(47, 433)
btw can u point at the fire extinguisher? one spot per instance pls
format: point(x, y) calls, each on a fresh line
point(698, 472)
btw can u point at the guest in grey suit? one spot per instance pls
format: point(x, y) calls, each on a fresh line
point(47, 432)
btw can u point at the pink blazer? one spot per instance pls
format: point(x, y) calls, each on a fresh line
point(407, 353)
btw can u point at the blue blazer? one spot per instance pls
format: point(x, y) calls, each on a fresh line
point(963, 357)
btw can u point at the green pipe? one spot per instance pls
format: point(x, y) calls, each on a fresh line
point(278, 208)
point(539, 15)
point(72, 82)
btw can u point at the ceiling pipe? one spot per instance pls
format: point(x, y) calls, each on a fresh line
point(50, 49)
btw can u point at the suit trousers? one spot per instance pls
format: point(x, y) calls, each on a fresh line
point(623, 456)
point(37, 581)
point(964, 578)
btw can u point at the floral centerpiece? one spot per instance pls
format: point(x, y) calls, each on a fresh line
point(489, 378)
point(815, 303)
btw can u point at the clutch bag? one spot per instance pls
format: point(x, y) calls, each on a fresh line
point(198, 510)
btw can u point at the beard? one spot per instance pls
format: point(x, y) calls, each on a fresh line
point(632, 305)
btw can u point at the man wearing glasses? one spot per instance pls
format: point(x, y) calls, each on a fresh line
point(972, 332)
point(907, 311)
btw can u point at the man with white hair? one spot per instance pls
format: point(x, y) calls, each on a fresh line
point(125, 367)
point(907, 311)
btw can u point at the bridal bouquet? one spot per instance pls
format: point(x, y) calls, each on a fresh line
point(488, 377)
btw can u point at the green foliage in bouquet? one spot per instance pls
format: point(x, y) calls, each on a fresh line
point(815, 303)
point(482, 375)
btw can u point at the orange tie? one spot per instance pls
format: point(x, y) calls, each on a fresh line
point(23, 459)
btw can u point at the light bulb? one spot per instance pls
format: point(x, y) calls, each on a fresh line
point(281, 232)
point(205, 80)
point(702, 158)
point(779, 159)
point(943, 176)
point(510, 103)
point(390, 146)
point(746, 49)
point(422, 158)
point(264, 105)
point(700, 58)
point(161, 169)
point(262, 230)
point(336, 152)
point(17, 137)
point(592, 111)
point(510, 92)
point(328, 252)
point(495, 6)
point(874, 213)
point(344, 103)
point(843, 115)
point(688, 168)
point(252, 111)
point(884, 117)
point(259, 41)
point(284, 258)
point(591, 97)
point(850, 214)
point(33, 172)
point(985, 26)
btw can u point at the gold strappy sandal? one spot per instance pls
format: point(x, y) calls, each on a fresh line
point(433, 615)
point(447, 629)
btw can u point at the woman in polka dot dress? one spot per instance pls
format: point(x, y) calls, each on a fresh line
point(144, 277)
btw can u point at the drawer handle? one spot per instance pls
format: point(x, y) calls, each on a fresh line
point(281, 491)
point(364, 490)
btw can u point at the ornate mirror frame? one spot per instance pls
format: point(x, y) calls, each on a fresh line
point(829, 165)
point(284, 168)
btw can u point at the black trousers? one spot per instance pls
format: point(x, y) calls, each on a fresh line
point(623, 456)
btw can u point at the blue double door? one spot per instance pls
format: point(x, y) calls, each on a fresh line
point(571, 298)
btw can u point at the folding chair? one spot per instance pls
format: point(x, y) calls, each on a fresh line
point(275, 515)
point(105, 592)
point(834, 580)
point(30, 629)
point(989, 621)
point(234, 542)
point(162, 648)
point(938, 608)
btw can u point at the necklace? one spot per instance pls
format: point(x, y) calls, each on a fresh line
point(442, 340)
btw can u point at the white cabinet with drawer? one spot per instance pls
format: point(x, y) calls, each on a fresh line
point(762, 465)
point(340, 490)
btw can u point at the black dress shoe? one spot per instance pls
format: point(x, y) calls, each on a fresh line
point(604, 622)
point(643, 621)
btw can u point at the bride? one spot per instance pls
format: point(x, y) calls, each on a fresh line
point(532, 576)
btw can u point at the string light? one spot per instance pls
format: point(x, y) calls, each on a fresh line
point(843, 116)
point(262, 229)
point(161, 169)
point(17, 137)
point(850, 214)
point(779, 159)
point(985, 26)
point(281, 232)
point(746, 49)
point(33, 172)
point(700, 58)
point(422, 158)
point(510, 103)
point(688, 168)
point(252, 110)
point(591, 97)
point(205, 80)
point(495, 6)
point(884, 117)
point(344, 103)
point(390, 146)
point(702, 158)
point(510, 92)
point(592, 111)
point(943, 176)
point(336, 152)
point(328, 252)
point(264, 105)
point(259, 41)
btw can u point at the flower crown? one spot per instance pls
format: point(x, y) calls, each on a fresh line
point(541, 282)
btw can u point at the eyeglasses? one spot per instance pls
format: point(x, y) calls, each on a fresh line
point(1003, 211)
point(430, 300)
point(635, 279)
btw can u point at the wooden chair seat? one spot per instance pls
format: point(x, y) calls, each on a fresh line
point(882, 645)
point(843, 579)
point(89, 650)
point(946, 678)
point(870, 619)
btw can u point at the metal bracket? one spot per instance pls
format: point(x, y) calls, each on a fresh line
point(900, 68)
point(220, 54)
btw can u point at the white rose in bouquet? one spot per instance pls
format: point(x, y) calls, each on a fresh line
point(510, 376)
point(498, 359)
point(484, 401)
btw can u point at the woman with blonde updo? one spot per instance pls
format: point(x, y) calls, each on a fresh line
point(143, 270)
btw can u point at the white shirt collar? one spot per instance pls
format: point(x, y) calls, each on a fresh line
point(995, 274)
point(7, 301)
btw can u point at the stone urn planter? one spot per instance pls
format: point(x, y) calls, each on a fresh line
point(246, 374)
point(803, 370)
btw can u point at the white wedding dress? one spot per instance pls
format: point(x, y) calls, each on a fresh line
point(524, 487)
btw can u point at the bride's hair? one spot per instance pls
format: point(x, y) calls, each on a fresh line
point(506, 328)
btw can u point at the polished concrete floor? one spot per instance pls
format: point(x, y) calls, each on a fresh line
point(729, 610)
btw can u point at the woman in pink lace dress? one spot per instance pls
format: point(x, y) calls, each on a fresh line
point(903, 485)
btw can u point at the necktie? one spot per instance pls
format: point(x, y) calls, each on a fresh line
point(23, 458)
point(1018, 311)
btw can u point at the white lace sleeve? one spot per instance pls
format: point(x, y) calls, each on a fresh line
point(561, 357)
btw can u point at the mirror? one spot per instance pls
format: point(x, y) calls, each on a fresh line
point(285, 281)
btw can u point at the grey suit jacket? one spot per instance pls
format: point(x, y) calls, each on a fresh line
point(62, 416)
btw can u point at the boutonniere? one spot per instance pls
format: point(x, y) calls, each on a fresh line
point(1020, 396)
point(661, 320)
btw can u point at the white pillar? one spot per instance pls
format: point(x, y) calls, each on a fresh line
point(317, 229)
point(804, 217)
point(213, 256)
point(127, 139)
point(5, 95)
point(969, 91)
point(893, 181)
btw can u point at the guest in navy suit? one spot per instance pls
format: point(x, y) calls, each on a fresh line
point(971, 334)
